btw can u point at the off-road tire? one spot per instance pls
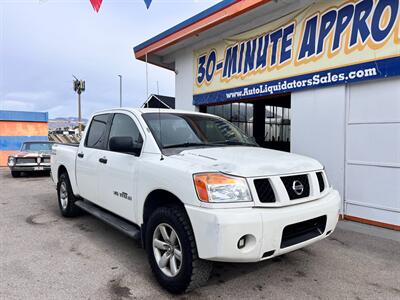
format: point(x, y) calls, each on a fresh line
point(71, 210)
point(194, 271)
point(15, 174)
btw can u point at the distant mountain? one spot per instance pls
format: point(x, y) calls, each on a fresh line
point(65, 122)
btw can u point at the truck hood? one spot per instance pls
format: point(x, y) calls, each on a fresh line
point(248, 161)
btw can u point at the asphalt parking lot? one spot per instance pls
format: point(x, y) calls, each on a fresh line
point(44, 256)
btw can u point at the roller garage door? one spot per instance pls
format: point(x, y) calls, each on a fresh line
point(372, 169)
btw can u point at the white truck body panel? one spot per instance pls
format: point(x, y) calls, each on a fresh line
point(124, 183)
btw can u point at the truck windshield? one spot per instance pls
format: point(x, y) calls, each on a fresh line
point(37, 147)
point(192, 130)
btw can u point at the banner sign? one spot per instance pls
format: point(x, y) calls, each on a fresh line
point(327, 43)
point(97, 4)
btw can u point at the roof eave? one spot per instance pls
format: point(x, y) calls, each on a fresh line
point(156, 60)
point(163, 41)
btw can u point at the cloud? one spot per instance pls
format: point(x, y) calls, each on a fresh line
point(16, 105)
point(43, 43)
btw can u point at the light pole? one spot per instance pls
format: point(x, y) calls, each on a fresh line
point(79, 87)
point(120, 90)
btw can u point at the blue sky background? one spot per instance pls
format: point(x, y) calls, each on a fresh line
point(44, 42)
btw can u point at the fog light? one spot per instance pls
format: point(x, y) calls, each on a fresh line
point(242, 242)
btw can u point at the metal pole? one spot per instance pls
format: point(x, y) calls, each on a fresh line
point(79, 114)
point(147, 80)
point(120, 90)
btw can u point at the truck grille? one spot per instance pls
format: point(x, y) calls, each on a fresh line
point(296, 186)
point(300, 232)
point(321, 182)
point(264, 190)
point(26, 160)
point(46, 160)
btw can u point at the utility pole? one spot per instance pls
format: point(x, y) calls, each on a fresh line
point(79, 87)
point(120, 90)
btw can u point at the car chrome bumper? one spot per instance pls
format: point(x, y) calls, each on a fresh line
point(269, 231)
point(30, 167)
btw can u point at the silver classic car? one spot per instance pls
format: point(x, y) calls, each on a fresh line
point(33, 156)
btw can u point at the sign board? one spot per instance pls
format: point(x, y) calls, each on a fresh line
point(326, 43)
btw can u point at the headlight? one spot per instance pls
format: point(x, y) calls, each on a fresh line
point(11, 161)
point(217, 187)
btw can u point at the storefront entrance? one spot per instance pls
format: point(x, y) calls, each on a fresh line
point(265, 119)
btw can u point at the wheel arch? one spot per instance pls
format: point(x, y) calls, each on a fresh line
point(158, 198)
point(61, 169)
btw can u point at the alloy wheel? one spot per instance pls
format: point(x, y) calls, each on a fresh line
point(167, 250)
point(63, 195)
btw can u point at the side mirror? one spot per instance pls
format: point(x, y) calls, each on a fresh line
point(125, 144)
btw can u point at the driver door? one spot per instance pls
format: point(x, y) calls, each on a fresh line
point(118, 176)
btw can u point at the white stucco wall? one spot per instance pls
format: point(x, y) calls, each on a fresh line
point(184, 80)
point(318, 129)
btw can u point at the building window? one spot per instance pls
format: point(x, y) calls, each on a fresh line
point(240, 114)
point(267, 120)
point(277, 124)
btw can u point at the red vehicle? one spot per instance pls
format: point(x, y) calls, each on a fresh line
point(33, 156)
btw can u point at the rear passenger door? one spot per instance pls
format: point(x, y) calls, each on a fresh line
point(118, 178)
point(89, 153)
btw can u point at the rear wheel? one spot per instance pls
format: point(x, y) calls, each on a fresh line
point(15, 174)
point(172, 252)
point(66, 198)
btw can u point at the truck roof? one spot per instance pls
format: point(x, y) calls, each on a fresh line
point(147, 110)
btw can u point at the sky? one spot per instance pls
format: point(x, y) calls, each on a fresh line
point(44, 42)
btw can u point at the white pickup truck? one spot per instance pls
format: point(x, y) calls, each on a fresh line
point(194, 189)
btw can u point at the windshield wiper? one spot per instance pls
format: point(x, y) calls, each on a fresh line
point(184, 145)
point(229, 142)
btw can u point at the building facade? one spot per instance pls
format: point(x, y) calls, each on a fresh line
point(319, 78)
point(17, 127)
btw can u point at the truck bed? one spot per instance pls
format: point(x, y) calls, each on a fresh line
point(65, 155)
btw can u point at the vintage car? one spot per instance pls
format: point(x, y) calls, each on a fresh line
point(33, 156)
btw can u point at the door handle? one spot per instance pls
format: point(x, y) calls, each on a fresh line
point(81, 155)
point(103, 160)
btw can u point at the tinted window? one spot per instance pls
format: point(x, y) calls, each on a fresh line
point(97, 130)
point(123, 125)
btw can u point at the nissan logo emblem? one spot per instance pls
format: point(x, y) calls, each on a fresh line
point(298, 187)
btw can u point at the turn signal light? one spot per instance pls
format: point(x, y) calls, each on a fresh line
point(202, 180)
point(218, 187)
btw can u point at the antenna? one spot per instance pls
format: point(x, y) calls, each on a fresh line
point(147, 80)
point(159, 122)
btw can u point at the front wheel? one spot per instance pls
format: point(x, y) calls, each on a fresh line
point(172, 252)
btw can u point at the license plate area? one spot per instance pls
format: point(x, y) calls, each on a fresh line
point(300, 232)
point(38, 168)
